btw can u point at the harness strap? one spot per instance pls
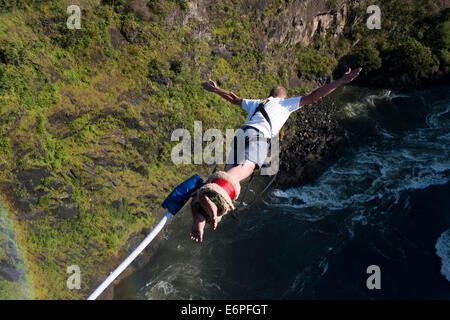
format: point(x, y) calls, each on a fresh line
point(261, 109)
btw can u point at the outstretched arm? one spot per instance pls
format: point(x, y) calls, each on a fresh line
point(317, 94)
point(229, 96)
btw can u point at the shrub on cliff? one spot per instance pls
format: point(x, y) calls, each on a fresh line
point(114, 2)
point(11, 4)
point(183, 4)
point(315, 62)
point(11, 53)
point(367, 56)
point(435, 33)
point(4, 146)
point(411, 56)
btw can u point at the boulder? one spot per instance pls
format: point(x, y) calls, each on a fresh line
point(68, 211)
point(33, 177)
point(10, 273)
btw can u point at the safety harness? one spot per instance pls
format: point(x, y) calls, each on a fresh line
point(261, 108)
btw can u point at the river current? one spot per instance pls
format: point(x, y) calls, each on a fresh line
point(386, 202)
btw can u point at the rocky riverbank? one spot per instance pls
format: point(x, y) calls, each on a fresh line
point(314, 140)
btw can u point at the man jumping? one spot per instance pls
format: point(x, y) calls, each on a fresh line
point(265, 120)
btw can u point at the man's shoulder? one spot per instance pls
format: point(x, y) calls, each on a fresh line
point(291, 103)
point(291, 100)
point(249, 104)
point(252, 100)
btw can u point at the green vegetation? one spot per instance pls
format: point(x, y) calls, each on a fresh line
point(4, 146)
point(364, 54)
point(315, 62)
point(412, 55)
point(414, 36)
point(332, 4)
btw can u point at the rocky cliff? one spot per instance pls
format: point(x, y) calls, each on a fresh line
point(291, 22)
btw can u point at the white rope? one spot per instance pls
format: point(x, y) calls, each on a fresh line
point(130, 258)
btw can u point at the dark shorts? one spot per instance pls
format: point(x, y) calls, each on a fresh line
point(248, 145)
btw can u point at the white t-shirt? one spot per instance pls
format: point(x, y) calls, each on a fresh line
point(277, 109)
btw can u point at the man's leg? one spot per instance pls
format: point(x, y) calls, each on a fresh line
point(198, 225)
point(211, 209)
point(241, 171)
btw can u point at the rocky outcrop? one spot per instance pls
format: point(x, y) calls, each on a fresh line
point(291, 22)
point(31, 178)
point(314, 140)
point(300, 21)
point(10, 273)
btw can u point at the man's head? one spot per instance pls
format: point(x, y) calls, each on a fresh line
point(278, 92)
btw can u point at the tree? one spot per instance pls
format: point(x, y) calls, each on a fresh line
point(366, 56)
point(413, 57)
point(314, 62)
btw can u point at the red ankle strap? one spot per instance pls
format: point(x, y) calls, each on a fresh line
point(226, 186)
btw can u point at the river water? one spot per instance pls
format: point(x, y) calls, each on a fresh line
point(386, 202)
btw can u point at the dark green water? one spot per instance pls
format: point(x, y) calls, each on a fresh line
point(386, 202)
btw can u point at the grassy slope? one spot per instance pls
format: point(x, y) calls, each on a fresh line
point(48, 70)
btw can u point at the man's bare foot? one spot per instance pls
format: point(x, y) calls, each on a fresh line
point(211, 209)
point(198, 225)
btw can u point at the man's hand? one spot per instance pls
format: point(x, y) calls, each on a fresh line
point(209, 85)
point(229, 96)
point(350, 75)
point(317, 94)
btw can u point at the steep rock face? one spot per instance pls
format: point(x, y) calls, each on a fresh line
point(293, 22)
point(301, 20)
